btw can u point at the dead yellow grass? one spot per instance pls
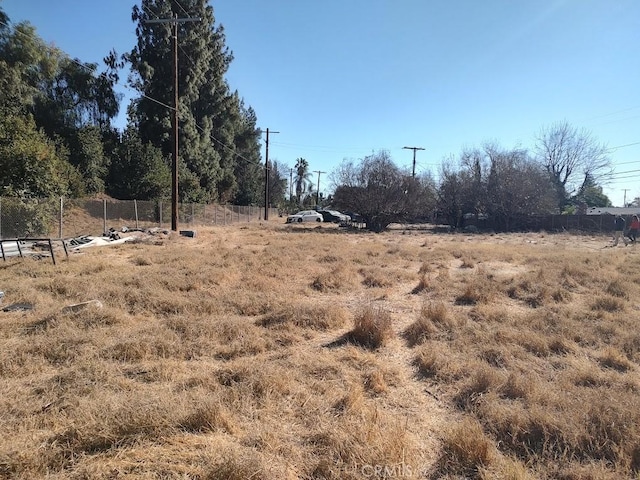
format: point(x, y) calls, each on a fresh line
point(270, 351)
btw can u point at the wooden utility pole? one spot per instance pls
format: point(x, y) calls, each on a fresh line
point(318, 192)
point(624, 202)
point(290, 184)
point(174, 170)
point(413, 172)
point(266, 178)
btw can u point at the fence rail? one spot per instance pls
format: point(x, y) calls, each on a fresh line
point(602, 223)
point(63, 217)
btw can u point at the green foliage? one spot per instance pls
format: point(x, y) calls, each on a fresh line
point(277, 184)
point(138, 171)
point(591, 195)
point(248, 170)
point(25, 62)
point(60, 107)
point(30, 165)
point(27, 217)
point(88, 157)
point(302, 179)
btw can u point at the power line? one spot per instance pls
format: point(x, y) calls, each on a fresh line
point(181, 7)
point(613, 113)
point(623, 146)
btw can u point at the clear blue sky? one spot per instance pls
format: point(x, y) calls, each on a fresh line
point(343, 78)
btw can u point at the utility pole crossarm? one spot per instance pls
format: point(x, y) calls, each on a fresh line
point(173, 20)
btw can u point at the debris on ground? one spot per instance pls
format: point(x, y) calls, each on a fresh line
point(89, 241)
point(18, 307)
point(154, 235)
point(80, 306)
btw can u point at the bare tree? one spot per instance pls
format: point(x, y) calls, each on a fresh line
point(451, 194)
point(516, 187)
point(503, 184)
point(381, 192)
point(571, 157)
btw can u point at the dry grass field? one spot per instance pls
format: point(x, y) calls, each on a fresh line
point(309, 352)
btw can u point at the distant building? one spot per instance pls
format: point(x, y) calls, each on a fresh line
point(613, 210)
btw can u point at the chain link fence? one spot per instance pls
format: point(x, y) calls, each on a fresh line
point(64, 218)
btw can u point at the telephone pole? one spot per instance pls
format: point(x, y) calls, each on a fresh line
point(174, 170)
point(318, 192)
point(413, 174)
point(266, 178)
point(624, 202)
point(290, 184)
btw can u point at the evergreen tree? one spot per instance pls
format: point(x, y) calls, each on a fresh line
point(211, 118)
point(138, 171)
point(277, 184)
point(248, 170)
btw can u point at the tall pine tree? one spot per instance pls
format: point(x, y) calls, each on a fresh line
point(215, 130)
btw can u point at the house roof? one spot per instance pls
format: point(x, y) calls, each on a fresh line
point(613, 210)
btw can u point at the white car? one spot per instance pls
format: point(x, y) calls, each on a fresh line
point(305, 216)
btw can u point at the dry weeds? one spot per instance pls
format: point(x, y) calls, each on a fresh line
point(271, 351)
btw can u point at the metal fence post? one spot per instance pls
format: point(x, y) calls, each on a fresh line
point(104, 215)
point(135, 209)
point(60, 218)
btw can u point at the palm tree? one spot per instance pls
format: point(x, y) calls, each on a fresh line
point(302, 178)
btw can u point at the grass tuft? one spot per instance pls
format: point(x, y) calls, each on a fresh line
point(372, 328)
point(607, 304)
point(433, 318)
point(466, 450)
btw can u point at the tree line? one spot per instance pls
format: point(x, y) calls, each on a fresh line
point(56, 116)
point(57, 138)
point(560, 175)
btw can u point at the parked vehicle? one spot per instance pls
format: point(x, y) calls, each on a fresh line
point(355, 217)
point(305, 216)
point(334, 216)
